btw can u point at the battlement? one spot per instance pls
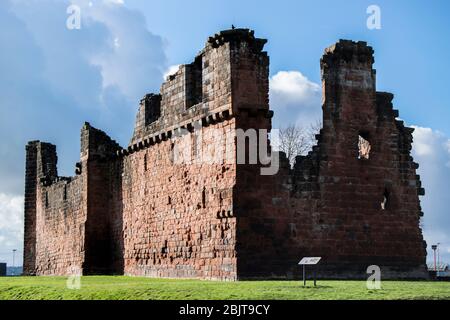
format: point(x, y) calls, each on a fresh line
point(346, 52)
point(349, 84)
point(96, 143)
point(45, 160)
point(237, 36)
point(230, 73)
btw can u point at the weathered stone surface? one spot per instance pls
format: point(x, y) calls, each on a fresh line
point(163, 208)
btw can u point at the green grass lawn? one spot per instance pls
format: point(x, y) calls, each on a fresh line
point(121, 287)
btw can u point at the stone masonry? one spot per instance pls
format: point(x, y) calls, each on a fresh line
point(177, 203)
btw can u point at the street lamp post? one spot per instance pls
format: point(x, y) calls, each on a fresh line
point(13, 264)
point(438, 259)
point(434, 247)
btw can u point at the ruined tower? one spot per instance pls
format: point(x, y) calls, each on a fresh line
point(178, 202)
point(353, 200)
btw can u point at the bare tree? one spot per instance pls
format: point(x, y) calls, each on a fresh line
point(314, 129)
point(295, 140)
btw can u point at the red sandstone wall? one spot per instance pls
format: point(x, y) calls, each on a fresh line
point(31, 168)
point(103, 253)
point(60, 228)
point(178, 218)
point(73, 216)
point(55, 213)
point(330, 205)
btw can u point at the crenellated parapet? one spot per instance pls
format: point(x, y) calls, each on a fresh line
point(237, 36)
point(230, 74)
point(346, 52)
point(96, 143)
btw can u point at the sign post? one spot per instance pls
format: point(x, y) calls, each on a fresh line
point(309, 261)
point(304, 276)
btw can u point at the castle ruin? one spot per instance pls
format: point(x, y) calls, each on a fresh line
point(353, 200)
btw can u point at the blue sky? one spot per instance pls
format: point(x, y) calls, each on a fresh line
point(411, 47)
point(53, 79)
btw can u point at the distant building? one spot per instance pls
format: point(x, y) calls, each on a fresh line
point(2, 269)
point(14, 271)
point(441, 269)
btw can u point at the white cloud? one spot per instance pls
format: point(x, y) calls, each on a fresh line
point(170, 71)
point(294, 98)
point(53, 79)
point(113, 45)
point(10, 210)
point(114, 1)
point(294, 87)
point(424, 140)
point(430, 150)
point(136, 59)
point(11, 227)
point(116, 42)
point(447, 145)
